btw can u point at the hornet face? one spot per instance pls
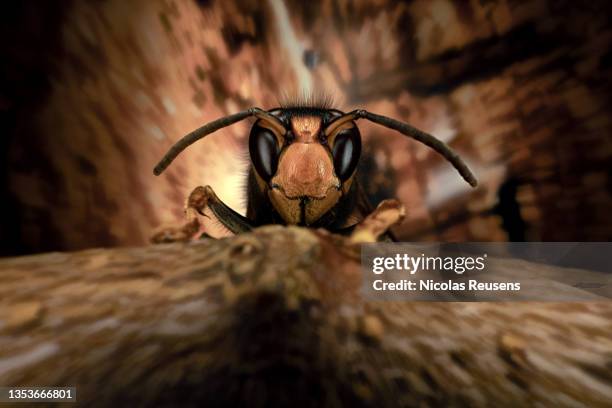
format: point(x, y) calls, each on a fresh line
point(304, 160)
point(302, 164)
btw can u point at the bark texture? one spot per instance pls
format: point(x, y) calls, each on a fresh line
point(274, 318)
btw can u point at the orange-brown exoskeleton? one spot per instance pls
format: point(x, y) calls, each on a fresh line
point(303, 165)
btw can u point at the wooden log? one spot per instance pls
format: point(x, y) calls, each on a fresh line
point(276, 318)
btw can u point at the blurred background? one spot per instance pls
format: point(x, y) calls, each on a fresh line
point(92, 93)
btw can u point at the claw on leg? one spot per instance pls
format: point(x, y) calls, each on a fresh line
point(386, 214)
point(204, 210)
point(182, 233)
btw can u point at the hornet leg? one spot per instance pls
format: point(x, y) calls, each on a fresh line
point(203, 202)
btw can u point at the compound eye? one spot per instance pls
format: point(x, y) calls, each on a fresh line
point(264, 151)
point(346, 152)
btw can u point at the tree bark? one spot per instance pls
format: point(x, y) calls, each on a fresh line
point(276, 318)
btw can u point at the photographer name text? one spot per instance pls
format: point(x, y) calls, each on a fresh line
point(412, 264)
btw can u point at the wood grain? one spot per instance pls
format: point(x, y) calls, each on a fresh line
point(274, 318)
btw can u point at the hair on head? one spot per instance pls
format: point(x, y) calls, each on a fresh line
point(307, 101)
